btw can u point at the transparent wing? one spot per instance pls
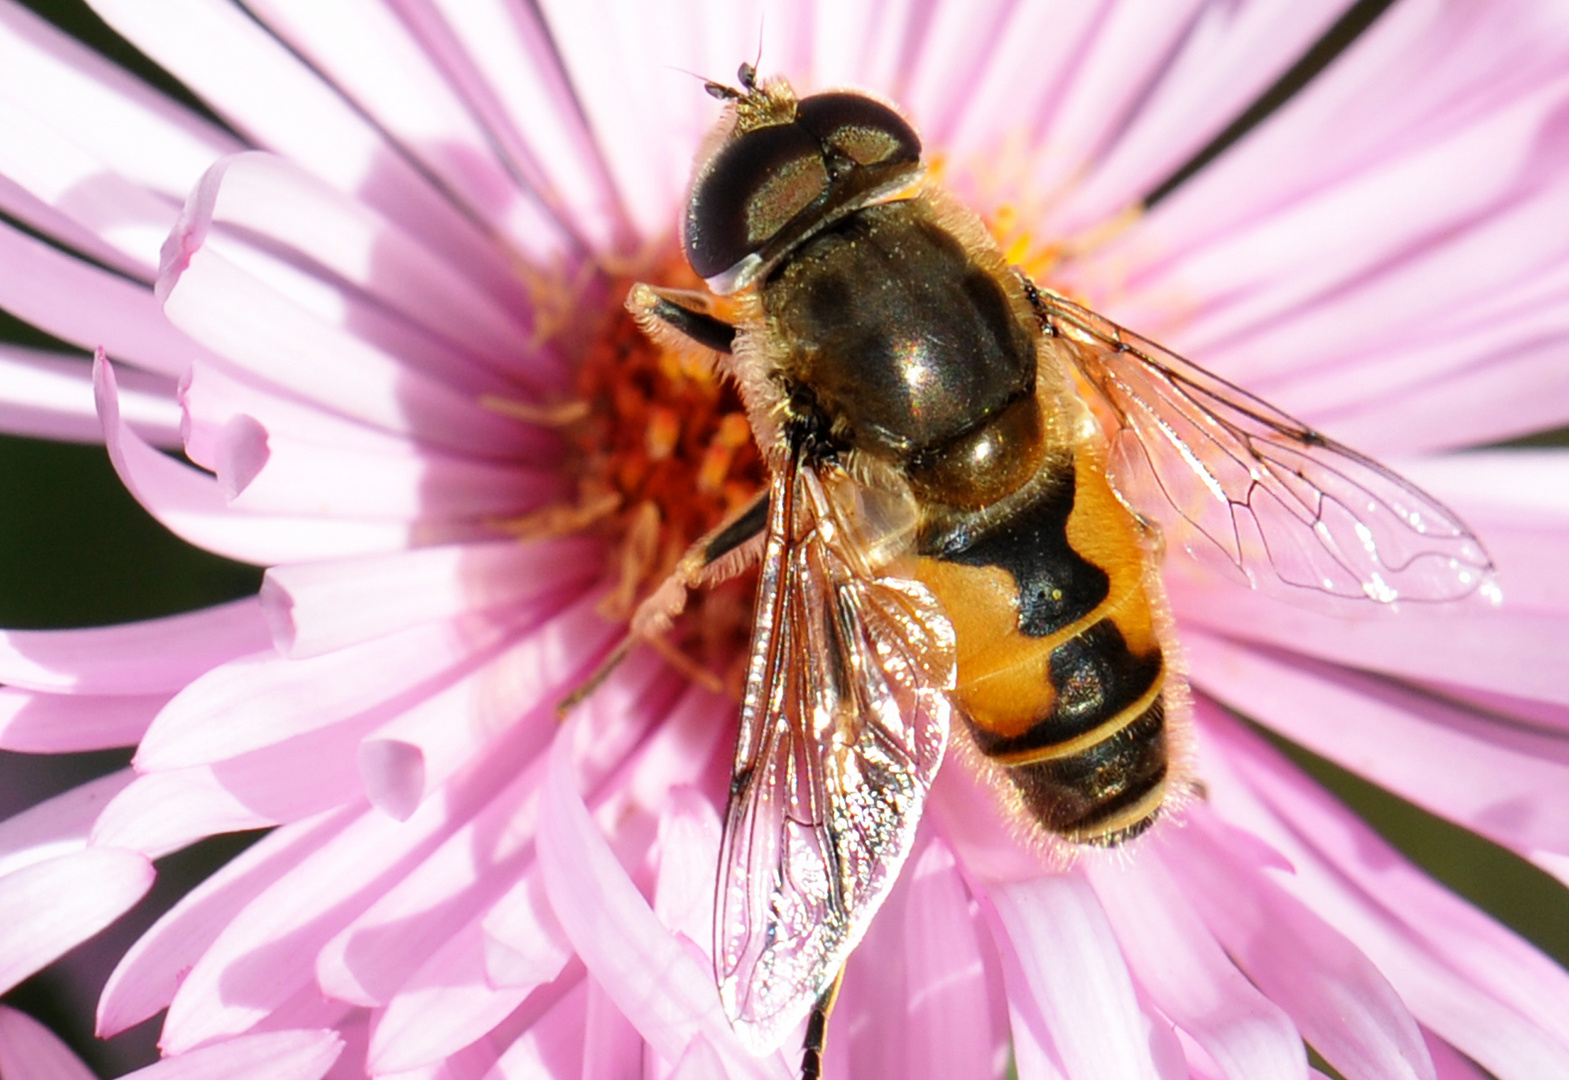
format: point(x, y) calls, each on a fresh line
point(843, 727)
point(1245, 488)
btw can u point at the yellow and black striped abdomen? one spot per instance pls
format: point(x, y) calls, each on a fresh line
point(1060, 670)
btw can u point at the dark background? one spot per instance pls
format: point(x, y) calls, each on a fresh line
point(76, 550)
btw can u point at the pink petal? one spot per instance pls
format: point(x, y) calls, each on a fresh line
point(163, 812)
point(923, 949)
point(976, 69)
point(1186, 972)
point(648, 124)
point(468, 876)
point(1502, 650)
point(492, 697)
point(1496, 778)
point(191, 504)
point(30, 1051)
point(147, 976)
point(271, 197)
point(316, 608)
point(1528, 488)
point(138, 130)
point(263, 699)
point(108, 217)
point(507, 67)
point(266, 953)
point(644, 970)
point(49, 396)
point(276, 339)
point(44, 723)
point(1472, 981)
point(1337, 998)
point(263, 250)
point(52, 906)
point(553, 1046)
point(1228, 58)
point(217, 402)
point(1110, 77)
point(57, 826)
point(252, 80)
point(273, 1055)
point(1070, 959)
point(88, 307)
point(271, 474)
point(524, 943)
point(390, 70)
point(611, 1047)
point(369, 960)
point(156, 656)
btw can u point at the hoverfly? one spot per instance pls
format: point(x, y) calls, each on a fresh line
point(971, 477)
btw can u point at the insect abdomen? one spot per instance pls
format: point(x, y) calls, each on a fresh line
point(1061, 674)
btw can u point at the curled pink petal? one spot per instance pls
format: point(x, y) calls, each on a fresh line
point(314, 608)
point(53, 905)
point(1187, 974)
point(151, 970)
point(30, 1051)
point(49, 396)
point(1094, 1020)
point(156, 656)
point(57, 826)
point(273, 1055)
point(651, 978)
point(34, 721)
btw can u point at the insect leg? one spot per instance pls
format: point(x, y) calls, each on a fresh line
point(736, 544)
point(675, 317)
point(817, 1031)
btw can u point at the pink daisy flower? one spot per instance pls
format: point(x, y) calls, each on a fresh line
point(367, 309)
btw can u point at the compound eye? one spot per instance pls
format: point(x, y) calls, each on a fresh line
point(865, 131)
point(749, 192)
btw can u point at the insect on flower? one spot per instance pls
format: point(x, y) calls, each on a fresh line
point(972, 480)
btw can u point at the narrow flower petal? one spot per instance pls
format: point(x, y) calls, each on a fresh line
point(1227, 59)
point(263, 699)
point(35, 722)
point(508, 68)
point(46, 395)
point(142, 133)
point(215, 400)
point(192, 506)
point(649, 976)
point(524, 942)
point(165, 811)
point(120, 224)
point(315, 608)
point(553, 1046)
point(272, 1055)
point(1344, 1008)
point(30, 1051)
point(1495, 778)
point(425, 749)
point(156, 656)
point(1055, 924)
point(57, 826)
point(272, 337)
point(1505, 651)
point(147, 976)
point(310, 480)
point(1472, 981)
point(271, 95)
point(1187, 974)
point(89, 307)
point(55, 905)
